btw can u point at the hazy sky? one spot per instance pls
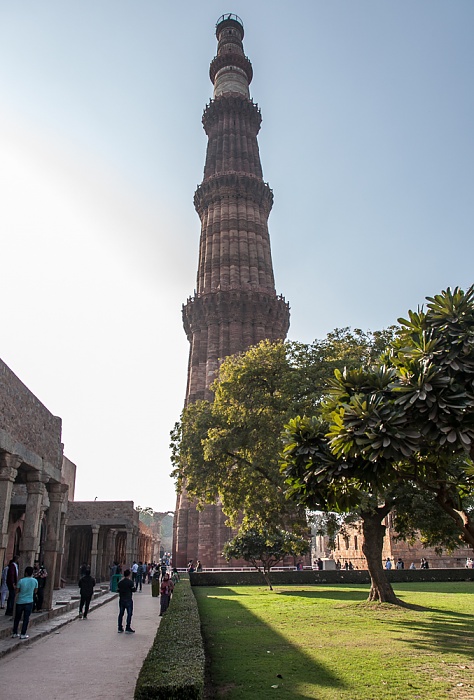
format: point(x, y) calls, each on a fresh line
point(367, 141)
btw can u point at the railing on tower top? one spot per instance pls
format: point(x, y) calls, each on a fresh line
point(229, 15)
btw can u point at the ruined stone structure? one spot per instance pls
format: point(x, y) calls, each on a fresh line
point(101, 532)
point(235, 304)
point(38, 516)
point(348, 547)
point(35, 481)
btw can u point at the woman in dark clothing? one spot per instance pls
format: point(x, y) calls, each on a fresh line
point(166, 591)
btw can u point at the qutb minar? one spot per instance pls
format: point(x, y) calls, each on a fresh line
point(235, 304)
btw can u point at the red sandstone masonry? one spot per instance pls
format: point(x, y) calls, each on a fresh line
point(236, 304)
point(24, 418)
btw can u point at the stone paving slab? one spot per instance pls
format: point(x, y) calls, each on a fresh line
point(64, 601)
point(42, 624)
point(85, 658)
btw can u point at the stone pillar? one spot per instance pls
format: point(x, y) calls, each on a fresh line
point(8, 470)
point(109, 551)
point(95, 539)
point(129, 547)
point(101, 555)
point(56, 493)
point(35, 486)
point(66, 552)
point(134, 545)
point(60, 560)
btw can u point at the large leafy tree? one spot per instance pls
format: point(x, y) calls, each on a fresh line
point(408, 421)
point(229, 449)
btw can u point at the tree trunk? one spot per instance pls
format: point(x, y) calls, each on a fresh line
point(266, 576)
point(460, 517)
point(373, 530)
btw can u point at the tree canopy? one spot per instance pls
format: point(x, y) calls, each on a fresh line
point(265, 548)
point(408, 419)
point(229, 449)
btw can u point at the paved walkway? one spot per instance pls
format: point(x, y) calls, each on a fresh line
point(86, 658)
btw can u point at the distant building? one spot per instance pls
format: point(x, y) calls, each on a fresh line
point(349, 548)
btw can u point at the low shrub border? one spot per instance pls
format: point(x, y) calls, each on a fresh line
point(304, 578)
point(174, 666)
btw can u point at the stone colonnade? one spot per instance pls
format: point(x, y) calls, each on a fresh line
point(101, 532)
point(32, 502)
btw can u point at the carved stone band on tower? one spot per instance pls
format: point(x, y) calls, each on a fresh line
point(235, 304)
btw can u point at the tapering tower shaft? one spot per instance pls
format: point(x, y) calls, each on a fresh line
point(235, 304)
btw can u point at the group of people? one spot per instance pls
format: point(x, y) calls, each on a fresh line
point(27, 592)
point(192, 568)
point(131, 581)
point(347, 565)
point(400, 564)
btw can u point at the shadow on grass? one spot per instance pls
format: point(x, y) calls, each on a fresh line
point(445, 631)
point(346, 594)
point(249, 657)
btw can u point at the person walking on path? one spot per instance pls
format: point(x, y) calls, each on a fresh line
point(86, 586)
point(4, 588)
point(155, 584)
point(40, 574)
point(126, 590)
point(25, 590)
point(12, 580)
point(166, 591)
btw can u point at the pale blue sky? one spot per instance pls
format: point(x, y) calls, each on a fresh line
point(367, 141)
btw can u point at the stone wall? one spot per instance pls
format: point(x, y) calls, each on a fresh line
point(68, 477)
point(103, 512)
point(24, 420)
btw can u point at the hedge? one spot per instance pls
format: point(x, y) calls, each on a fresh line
point(174, 666)
point(305, 578)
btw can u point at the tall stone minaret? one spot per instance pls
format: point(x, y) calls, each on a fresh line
point(235, 304)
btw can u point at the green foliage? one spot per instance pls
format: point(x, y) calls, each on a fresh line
point(229, 450)
point(408, 418)
point(145, 514)
point(419, 516)
point(174, 666)
point(265, 549)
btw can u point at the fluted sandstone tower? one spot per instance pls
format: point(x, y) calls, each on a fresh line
point(235, 304)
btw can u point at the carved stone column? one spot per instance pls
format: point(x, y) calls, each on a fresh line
point(60, 560)
point(101, 554)
point(109, 552)
point(35, 486)
point(129, 547)
point(56, 493)
point(8, 470)
point(95, 539)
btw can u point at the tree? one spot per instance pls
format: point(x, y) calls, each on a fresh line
point(264, 549)
point(420, 424)
point(229, 449)
point(145, 514)
point(408, 420)
point(318, 480)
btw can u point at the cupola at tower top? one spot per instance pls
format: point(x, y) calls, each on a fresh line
point(231, 70)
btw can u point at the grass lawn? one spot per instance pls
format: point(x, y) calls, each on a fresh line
point(326, 642)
